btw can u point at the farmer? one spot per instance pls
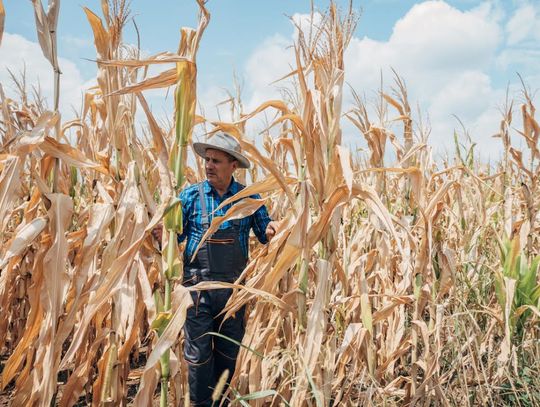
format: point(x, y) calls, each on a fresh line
point(221, 258)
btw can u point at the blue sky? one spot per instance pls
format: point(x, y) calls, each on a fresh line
point(238, 27)
point(457, 56)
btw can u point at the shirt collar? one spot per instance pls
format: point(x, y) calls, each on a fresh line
point(233, 187)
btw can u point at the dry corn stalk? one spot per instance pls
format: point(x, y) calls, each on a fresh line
point(377, 289)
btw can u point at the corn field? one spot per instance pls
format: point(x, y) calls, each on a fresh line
point(391, 281)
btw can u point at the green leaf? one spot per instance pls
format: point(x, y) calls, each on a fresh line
point(505, 249)
point(314, 390)
point(257, 395)
point(237, 396)
point(417, 286)
point(527, 282)
point(161, 322)
point(535, 296)
point(499, 289)
point(158, 301)
point(174, 264)
point(173, 216)
point(177, 269)
point(237, 343)
point(513, 262)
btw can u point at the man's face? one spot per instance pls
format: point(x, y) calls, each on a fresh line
point(219, 167)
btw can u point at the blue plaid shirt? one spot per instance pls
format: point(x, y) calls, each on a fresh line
point(192, 216)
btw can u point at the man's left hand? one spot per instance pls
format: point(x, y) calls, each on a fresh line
point(271, 230)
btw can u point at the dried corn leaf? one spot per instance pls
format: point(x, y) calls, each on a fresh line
point(23, 238)
point(345, 160)
point(30, 140)
point(101, 36)
point(244, 208)
point(269, 184)
point(316, 318)
point(205, 285)
point(9, 188)
point(145, 394)
point(110, 285)
point(79, 377)
point(165, 58)
point(69, 155)
point(162, 80)
point(46, 28)
point(181, 301)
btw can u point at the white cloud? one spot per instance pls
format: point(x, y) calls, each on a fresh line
point(467, 96)
point(450, 59)
point(430, 46)
point(271, 61)
point(522, 51)
point(445, 56)
point(438, 36)
point(305, 21)
point(469, 99)
point(523, 24)
point(213, 101)
point(19, 54)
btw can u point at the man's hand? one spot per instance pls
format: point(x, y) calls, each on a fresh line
point(157, 233)
point(271, 230)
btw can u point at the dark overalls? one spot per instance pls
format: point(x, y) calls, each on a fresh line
point(220, 258)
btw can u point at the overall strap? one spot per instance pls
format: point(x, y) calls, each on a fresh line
point(202, 198)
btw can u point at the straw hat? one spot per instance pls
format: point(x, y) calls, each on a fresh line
point(223, 142)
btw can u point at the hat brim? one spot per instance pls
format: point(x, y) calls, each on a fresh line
point(200, 149)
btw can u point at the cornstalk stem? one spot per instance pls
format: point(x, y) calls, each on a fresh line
point(57, 73)
point(168, 289)
point(164, 388)
point(164, 360)
point(170, 254)
point(302, 285)
point(182, 155)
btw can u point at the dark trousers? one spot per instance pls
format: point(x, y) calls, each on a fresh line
point(209, 355)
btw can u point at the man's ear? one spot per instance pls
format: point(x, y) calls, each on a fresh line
point(235, 164)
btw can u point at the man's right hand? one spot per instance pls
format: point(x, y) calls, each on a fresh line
point(157, 233)
point(271, 229)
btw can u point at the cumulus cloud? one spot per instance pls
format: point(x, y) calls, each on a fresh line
point(465, 95)
point(523, 24)
point(21, 55)
point(469, 100)
point(451, 60)
point(441, 37)
point(304, 22)
point(271, 61)
point(431, 46)
point(522, 49)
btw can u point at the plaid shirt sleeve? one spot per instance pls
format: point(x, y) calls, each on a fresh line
point(260, 220)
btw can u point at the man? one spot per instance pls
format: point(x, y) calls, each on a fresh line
point(221, 258)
